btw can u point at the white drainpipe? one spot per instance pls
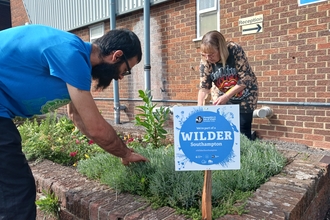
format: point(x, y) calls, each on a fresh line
point(165, 107)
point(263, 112)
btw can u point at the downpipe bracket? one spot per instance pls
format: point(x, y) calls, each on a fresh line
point(118, 108)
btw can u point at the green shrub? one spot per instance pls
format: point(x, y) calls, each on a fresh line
point(163, 186)
point(55, 139)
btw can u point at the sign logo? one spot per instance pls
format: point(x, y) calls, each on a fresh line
point(199, 119)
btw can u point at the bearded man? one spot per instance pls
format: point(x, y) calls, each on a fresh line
point(41, 69)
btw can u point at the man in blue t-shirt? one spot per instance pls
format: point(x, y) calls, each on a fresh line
point(41, 69)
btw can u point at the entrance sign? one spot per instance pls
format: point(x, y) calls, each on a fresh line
point(251, 20)
point(206, 137)
point(251, 25)
point(252, 28)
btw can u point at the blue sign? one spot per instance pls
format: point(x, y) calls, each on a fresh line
point(306, 2)
point(206, 137)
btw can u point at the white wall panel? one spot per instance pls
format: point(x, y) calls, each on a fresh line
point(71, 14)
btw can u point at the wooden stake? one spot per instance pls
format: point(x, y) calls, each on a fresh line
point(207, 196)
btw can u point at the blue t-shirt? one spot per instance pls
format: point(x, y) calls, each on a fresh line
point(36, 62)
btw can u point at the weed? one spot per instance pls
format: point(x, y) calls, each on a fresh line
point(49, 204)
point(305, 156)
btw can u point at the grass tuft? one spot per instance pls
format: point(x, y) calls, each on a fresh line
point(163, 186)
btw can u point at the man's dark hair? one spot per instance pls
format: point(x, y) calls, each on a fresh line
point(120, 39)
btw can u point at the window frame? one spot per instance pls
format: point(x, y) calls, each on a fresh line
point(96, 26)
point(200, 13)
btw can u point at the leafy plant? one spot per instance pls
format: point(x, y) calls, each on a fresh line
point(55, 139)
point(49, 204)
point(152, 120)
point(163, 186)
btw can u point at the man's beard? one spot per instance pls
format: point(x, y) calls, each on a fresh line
point(104, 73)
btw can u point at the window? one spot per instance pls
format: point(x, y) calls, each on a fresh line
point(207, 16)
point(96, 31)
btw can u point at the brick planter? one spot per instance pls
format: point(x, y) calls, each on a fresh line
point(301, 191)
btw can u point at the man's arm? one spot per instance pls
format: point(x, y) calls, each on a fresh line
point(86, 116)
point(75, 117)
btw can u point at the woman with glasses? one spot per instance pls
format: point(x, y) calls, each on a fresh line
point(226, 73)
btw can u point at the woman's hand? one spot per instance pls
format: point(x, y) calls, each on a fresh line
point(132, 157)
point(222, 100)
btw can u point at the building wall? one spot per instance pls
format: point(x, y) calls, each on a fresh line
point(18, 13)
point(290, 58)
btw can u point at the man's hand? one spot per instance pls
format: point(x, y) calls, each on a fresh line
point(133, 157)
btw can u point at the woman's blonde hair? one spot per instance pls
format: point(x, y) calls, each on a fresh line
point(214, 40)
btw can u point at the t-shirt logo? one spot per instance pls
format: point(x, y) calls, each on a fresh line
point(226, 78)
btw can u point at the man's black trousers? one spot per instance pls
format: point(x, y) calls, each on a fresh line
point(17, 185)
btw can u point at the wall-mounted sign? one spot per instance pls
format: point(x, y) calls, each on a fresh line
point(252, 28)
point(206, 137)
point(306, 2)
point(251, 25)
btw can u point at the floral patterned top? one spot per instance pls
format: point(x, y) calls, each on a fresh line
point(237, 71)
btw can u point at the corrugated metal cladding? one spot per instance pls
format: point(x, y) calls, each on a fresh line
point(71, 14)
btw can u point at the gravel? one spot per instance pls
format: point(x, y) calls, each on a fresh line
point(282, 145)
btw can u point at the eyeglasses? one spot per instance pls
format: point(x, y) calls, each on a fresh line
point(128, 71)
point(208, 55)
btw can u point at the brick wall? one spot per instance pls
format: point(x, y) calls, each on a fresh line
point(290, 58)
point(18, 13)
